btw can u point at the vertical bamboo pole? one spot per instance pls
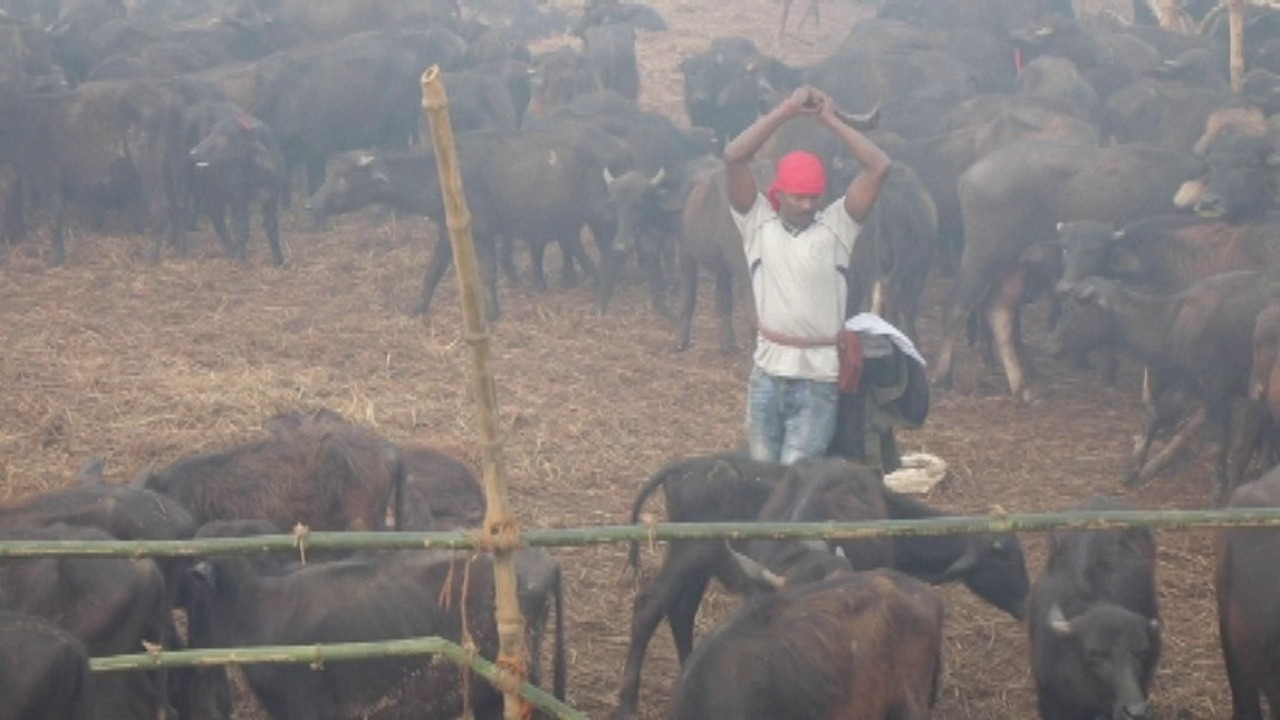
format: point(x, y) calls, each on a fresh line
point(499, 526)
point(1235, 26)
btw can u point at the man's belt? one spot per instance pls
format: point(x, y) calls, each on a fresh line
point(778, 338)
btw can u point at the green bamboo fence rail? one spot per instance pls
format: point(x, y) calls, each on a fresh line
point(460, 540)
point(302, 540)
point(318, 655)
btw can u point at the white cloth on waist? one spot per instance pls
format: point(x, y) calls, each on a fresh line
point(873, 324)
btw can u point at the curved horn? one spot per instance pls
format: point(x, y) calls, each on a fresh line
point(657, 178)
point(609, 177)
point(869, 121)
point(1058, 622)
point(962, 565)
point(756, 571)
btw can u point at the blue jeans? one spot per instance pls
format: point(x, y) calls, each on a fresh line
point(789, 418)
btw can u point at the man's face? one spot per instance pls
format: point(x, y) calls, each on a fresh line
point(798, 210)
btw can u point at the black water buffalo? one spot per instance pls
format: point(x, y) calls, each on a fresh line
point(1160, 111)
point(1245, 582)
point(559, 76)
point(1264, 377)
point(939, 160)
point(860, 645)
point(1094, 623)
point(1013, 198)
point(709, 240)
point(117, 605)
point(236, 162)
point(105, 145)
point(358, 92)
point(127, 512)
point(440, 491)
point(611, 52)
point(644, 196)
point(325, 475)
point(1167, 253)
point(894, 252)
point(1199, 340)
point(44, 670)
point(541, 186)
point(913, 88)
point(1109, 60)
point(376, 597)
point(726, 86)
point(727, 487)
point(1242, 176)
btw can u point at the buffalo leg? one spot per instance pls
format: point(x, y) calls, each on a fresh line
point(240, 229)
point(1002, 317)
point(1144, 470)
point(217, 218)
point(1247, 422)
point(271, 225)
point(687, 564)
point(487, 255)
point(1246, 699)
point(441, 259)
point(537, 256)
point(60, 228)
point(573, 251)
point(15, 226)
point(681, 616)
point(507, 258)
point(651, 261)
point(688, 288)
point(724, 308)
point(610, 268)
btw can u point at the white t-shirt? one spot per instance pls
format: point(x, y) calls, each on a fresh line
point(798, 285)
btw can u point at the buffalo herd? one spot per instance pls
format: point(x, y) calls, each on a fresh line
point(1102, 164)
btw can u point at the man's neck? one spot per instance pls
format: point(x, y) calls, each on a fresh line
point(792, 230)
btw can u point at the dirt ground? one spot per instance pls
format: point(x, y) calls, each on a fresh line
point(141, 363)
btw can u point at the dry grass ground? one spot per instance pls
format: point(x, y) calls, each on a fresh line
point(141, 363)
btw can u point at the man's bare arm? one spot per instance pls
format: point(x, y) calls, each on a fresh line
point(865, 188)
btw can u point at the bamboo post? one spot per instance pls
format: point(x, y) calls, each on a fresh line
point(1235, 26)
point(500, 528)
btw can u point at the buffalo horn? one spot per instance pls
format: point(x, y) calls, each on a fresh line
point(869, 121)
point(755, 571)
point(961, 566)
point(1058, 622)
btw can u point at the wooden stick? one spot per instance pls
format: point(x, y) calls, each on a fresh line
point(498, 523)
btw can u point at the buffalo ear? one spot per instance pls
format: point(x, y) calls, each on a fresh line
point(1058, 622)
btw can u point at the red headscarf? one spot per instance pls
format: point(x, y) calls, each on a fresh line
point(799, 173)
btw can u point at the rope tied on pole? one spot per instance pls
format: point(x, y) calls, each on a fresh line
point(500, 534)
point(301, 533)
